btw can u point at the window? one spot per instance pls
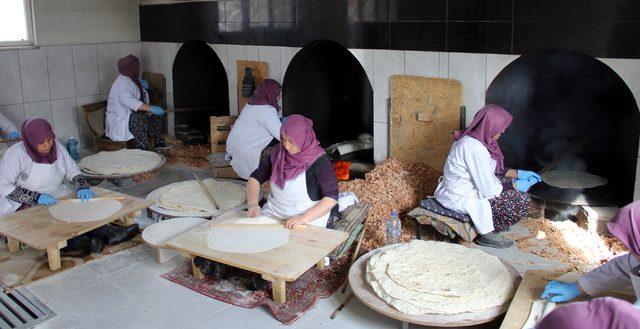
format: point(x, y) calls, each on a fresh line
point(15, 23)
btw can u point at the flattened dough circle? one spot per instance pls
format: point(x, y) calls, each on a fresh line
point(247, 240)
point(92, 210)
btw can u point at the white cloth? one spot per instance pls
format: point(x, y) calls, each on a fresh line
point(254, 129)
point(291, 201)
point(17, 169)
point(469, 182)
point(124, 97)
point(6, 126)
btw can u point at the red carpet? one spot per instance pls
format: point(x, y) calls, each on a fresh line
point(302, 294)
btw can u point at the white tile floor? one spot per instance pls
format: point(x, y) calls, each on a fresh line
point(125, 290)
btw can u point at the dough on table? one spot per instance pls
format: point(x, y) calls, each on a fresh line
point(247, 240)
point(188, 196)
point(89, 211)
point(428, 277)
point(125, 161)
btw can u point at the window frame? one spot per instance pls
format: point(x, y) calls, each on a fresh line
point(31, 35)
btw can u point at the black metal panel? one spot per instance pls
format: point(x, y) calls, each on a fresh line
point(560, 100)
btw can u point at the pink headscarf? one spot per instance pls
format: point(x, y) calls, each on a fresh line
point(285, 165)
point(35, 131)
point(625, 226)
point(605, 313)
point(267, 94)
point(488, 122)
point(129, 66)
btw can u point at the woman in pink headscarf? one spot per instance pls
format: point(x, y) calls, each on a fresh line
point(475, 181)
point(600, 313)
point(256, 129)
point(129, 115)
point(621, 274)
point(303, 184)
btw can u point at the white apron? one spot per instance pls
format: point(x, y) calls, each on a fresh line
point(43, 178)
point(291, 201)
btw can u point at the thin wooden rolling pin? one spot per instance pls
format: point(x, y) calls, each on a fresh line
point(206, 191)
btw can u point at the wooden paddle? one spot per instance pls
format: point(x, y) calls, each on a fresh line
point(206, 191)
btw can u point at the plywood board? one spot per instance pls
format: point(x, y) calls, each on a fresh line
point(424, 114)
point(306, 247)
point(37, 228)
point(260, 72)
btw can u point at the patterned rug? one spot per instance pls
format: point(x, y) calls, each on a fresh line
point(28, 264)
point(302, 294)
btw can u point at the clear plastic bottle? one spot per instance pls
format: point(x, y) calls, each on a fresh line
point(394, 228)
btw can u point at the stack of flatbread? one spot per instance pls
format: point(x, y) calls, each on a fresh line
point(124, 161)
point(188, 196)
point(428, 277)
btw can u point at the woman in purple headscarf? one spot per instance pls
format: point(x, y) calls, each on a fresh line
point(621, 274)
point(33, 173)
point(256, 129)
point(129, 115)
point(475, 181)
point(600, 313)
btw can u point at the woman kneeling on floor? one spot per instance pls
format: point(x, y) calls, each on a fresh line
point(475, 181)
point(304, 188)
point(33, 172)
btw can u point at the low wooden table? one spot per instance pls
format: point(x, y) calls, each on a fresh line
point(36, 227)
point(306, 247)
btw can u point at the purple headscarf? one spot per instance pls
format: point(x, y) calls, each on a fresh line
point(267, 94)
point(284, 165)
point(35, 131)
point(488, 122)
point(129, 66)
point(625, 226)
point(606, 313)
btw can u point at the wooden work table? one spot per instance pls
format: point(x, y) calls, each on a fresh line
point(306, 247)
point(37, 228)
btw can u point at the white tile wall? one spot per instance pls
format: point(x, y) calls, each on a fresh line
point(34, 75)
point(470, 69)
point(61, 73)
point(10, 85)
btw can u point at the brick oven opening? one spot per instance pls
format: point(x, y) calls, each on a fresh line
point(572, 110)
point(326, 83)
point(200, 90)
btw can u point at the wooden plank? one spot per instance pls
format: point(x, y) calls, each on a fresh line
point(37, 228)
point(305, 249)
point(424, 114)
point(260, 72)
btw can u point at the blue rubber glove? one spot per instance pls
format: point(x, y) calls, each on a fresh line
point(529, 175)
point(85, 194)
point(157, 110)
point(523, 185)
point(559, 292)
point(145, 84)
point(46, 200)
point(13, 135)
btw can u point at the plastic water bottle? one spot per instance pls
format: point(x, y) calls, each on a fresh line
point(72, 148)
point(394, 228)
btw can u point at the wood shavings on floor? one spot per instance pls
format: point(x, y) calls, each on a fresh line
point(194, 156)
point(392, 185)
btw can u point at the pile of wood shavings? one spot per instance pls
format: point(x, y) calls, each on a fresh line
point(573, 245)
point(194, 156)
point(392, 185)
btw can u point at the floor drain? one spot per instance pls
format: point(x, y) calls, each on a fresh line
point(20, 309)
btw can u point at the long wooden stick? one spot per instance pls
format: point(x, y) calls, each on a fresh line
point(206, 191)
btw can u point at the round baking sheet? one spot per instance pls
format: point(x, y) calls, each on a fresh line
point(155, 197)
point(363, 291)
point(115, 176)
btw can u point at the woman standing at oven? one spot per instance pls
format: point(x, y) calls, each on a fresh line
point(475, 181)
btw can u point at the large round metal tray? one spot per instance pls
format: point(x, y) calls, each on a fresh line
point(154, 196)
point(116, 176)
point(363, 291)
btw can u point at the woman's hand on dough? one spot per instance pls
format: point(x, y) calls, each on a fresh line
point(295, 221)
point(254, 210)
